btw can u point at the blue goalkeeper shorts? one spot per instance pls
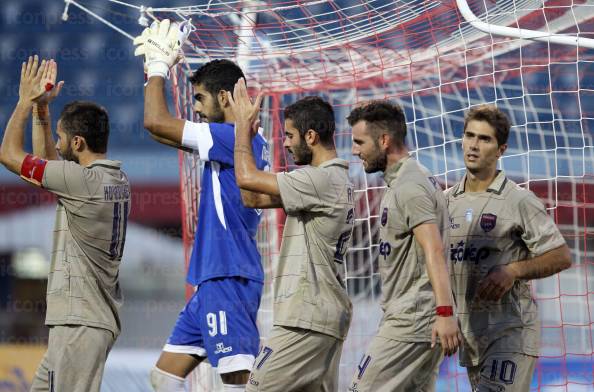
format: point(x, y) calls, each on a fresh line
point(219, 322)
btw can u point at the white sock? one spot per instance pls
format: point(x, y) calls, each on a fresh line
point(162, 381)
point(233, 387)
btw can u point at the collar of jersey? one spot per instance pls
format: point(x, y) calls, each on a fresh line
point(106, 163)
point(392, 172)
point(496, 186)
point(335, 161)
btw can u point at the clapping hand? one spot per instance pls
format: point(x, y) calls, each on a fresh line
point(245, 111)
point(32, 73)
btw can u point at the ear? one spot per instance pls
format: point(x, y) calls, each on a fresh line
point(311, 137)
point(222, 98)
point(78, 143)
point(384, 141)
point(502, 149)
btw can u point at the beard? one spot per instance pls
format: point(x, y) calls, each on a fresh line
point(377, 162)
point(68, 155)
point(302, 154)
point(217, 115)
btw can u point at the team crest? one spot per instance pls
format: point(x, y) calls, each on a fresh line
point(385, 216)
point(488, 222)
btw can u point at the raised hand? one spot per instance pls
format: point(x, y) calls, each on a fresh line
point(48, 83)
point(160, 44)
point(32, 73)
point(245, 111)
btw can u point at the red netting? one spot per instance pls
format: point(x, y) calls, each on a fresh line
point(422, 54)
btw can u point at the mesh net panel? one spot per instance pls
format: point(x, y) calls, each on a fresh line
point(422, 54)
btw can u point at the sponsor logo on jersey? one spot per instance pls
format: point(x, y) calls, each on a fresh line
point(384, 216)
point(454, 225)
point(221, 349)
point(252, 381)
point(385, 248)
point(434, 182)
point(354, 388)
point(488, 222)
point(460, 252)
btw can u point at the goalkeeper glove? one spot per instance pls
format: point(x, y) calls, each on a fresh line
point(160, 44)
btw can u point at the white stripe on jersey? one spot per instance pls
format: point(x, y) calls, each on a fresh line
point(197, 136)
point(216, 192)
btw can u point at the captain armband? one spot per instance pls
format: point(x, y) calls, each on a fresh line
point(32, 169)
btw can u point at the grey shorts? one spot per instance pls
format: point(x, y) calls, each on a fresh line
point(74, 360)
point(502, 372)
point(295, 359)
point(390, 365)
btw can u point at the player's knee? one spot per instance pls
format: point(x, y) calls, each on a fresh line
point(161, 381)
point(236, 378)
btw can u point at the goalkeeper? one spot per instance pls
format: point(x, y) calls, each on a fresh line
point(219, 321)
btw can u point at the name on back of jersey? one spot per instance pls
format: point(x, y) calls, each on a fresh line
point(116, 192)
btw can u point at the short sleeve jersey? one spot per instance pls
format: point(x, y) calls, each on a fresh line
point(225, 240)
point(308, 286)
point(504, 224)
point(413, 197)
point(89, 237)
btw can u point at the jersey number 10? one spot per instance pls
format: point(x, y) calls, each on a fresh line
point(506, 373)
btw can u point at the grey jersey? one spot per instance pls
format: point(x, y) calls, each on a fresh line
point(413, 197)
point(307, 282)
point(89, 235)
point(499, 226)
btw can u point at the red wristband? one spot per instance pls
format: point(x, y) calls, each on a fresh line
point(444, 311)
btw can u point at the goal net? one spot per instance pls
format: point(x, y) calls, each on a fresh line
point(437, 62)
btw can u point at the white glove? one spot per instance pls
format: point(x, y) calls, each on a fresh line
point(160, 44)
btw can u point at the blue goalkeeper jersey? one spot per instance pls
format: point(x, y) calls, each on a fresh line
point(225, 240)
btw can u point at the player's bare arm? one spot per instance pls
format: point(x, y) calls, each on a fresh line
point(248, 177)
point(161, 52)
point(445, 327)
point(44, 145)
point(12, 153)
point(163, 127)
point(260, 200)
point(501, 278)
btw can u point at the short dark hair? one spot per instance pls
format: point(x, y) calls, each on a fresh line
point(88, 120)
point(492, 115)
point(381, 116)
point(313, 113)
point(217, 75)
